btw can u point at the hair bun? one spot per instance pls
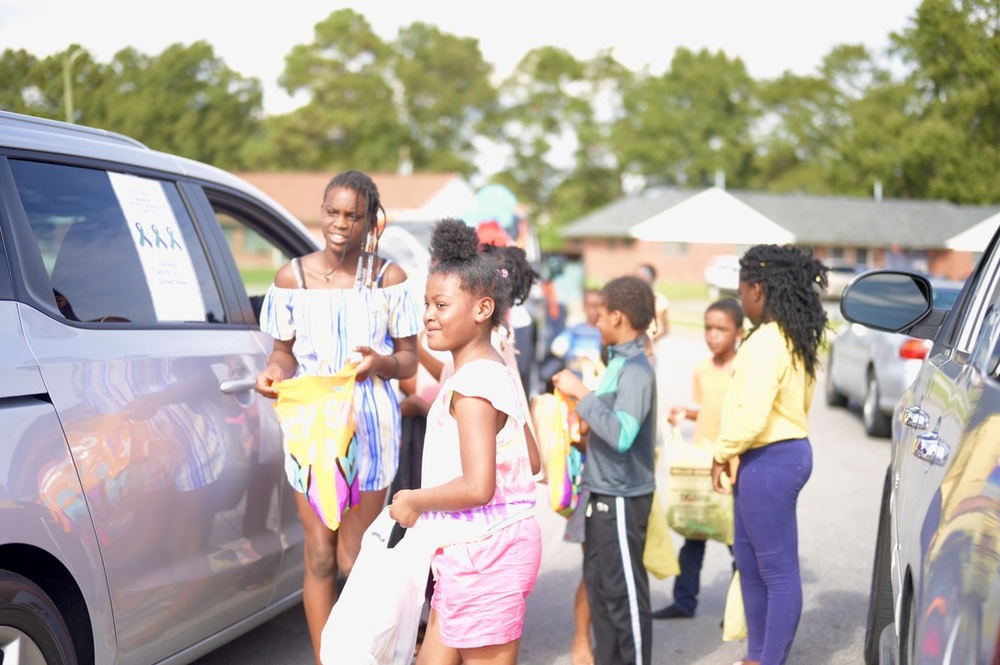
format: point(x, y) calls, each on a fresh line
point(454, 240)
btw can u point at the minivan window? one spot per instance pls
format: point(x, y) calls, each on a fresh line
point(118, 248)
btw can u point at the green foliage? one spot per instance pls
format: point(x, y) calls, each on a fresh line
point(922, 119)
point(446, 93)
point(695, 119)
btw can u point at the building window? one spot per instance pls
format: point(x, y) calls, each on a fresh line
point(676, 248)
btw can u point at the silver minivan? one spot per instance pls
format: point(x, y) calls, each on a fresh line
point(935, 587)
point(144, 515)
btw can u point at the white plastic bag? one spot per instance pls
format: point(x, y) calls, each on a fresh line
point(376, 618)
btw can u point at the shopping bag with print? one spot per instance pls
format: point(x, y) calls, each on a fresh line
point(694, 509)
point(317, 420)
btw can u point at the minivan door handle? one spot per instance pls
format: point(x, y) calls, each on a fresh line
point(930, 448)
point(916, 418)
point(234, 386)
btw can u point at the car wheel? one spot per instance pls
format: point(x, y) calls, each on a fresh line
point(32, 632)
point(876, 423)
point(880, 613)
point(834, 397)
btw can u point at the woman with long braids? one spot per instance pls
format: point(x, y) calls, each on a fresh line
point(765, 420)
point(328, 306)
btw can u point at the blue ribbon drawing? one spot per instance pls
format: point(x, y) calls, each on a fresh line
point(159, 240)
point(173, 240)
point(143, 240)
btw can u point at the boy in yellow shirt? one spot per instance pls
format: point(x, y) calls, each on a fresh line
point(723, 334)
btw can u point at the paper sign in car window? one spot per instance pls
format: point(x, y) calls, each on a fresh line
point(166, 261)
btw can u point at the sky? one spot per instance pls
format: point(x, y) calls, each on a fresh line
point(770, 36)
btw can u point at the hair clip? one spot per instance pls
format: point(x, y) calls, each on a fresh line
point(502, 272)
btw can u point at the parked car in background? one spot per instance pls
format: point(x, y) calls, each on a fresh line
point(935, 591)
point(876, 367)
point(408, 244)
point(722, 274)
point(839, 275)
point(144, 511)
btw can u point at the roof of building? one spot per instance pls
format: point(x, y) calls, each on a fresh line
point(812, 220)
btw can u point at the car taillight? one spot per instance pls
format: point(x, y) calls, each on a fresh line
point(914, 349)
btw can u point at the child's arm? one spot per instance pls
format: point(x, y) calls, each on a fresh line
point(618, 425)
point(680, 413)
point(477, 429)
point(534, 457)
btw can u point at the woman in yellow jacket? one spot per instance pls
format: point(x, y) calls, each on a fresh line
point(765, 421)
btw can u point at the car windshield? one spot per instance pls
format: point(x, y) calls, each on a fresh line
point(945, 296)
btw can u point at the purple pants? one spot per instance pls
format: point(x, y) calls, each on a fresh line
point(766, 545)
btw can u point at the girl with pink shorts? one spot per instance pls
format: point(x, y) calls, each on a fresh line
point(478, 464)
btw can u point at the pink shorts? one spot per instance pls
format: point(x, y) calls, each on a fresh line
point(480, 587)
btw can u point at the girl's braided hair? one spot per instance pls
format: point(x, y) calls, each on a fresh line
point(522, 276)
point(792, 280)
point(455, 251)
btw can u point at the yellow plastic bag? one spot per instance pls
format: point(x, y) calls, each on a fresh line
point(694, 509)
point(659, 556)
point(317, 420)
point(734, 620)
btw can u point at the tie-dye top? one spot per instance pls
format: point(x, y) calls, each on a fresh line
point(514, 496)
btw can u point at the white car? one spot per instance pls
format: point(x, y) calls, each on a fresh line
point(722, 275)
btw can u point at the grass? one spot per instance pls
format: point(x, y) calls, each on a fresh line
point(257, 279)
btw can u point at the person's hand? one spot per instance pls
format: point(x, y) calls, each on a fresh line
point(402, 509)
point(569, 384)
point(677, 415)
point(717, 471)
point(267, 379)
point(363, 358)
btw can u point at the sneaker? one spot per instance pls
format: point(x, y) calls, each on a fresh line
point(672, 612)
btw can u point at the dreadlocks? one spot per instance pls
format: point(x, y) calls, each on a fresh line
point(791, 279)
point(364, 189)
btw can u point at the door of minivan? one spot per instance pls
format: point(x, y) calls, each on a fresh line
point(151, 373)
point(948, 463)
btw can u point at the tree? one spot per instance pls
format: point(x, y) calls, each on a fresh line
point(351, 118)
point(695, 119)
point(445, 92)
point(561, 163)
point(185, 101)
point(953, 47)
point(17, 90)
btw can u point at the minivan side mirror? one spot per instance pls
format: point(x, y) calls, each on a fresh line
point(887, 300)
